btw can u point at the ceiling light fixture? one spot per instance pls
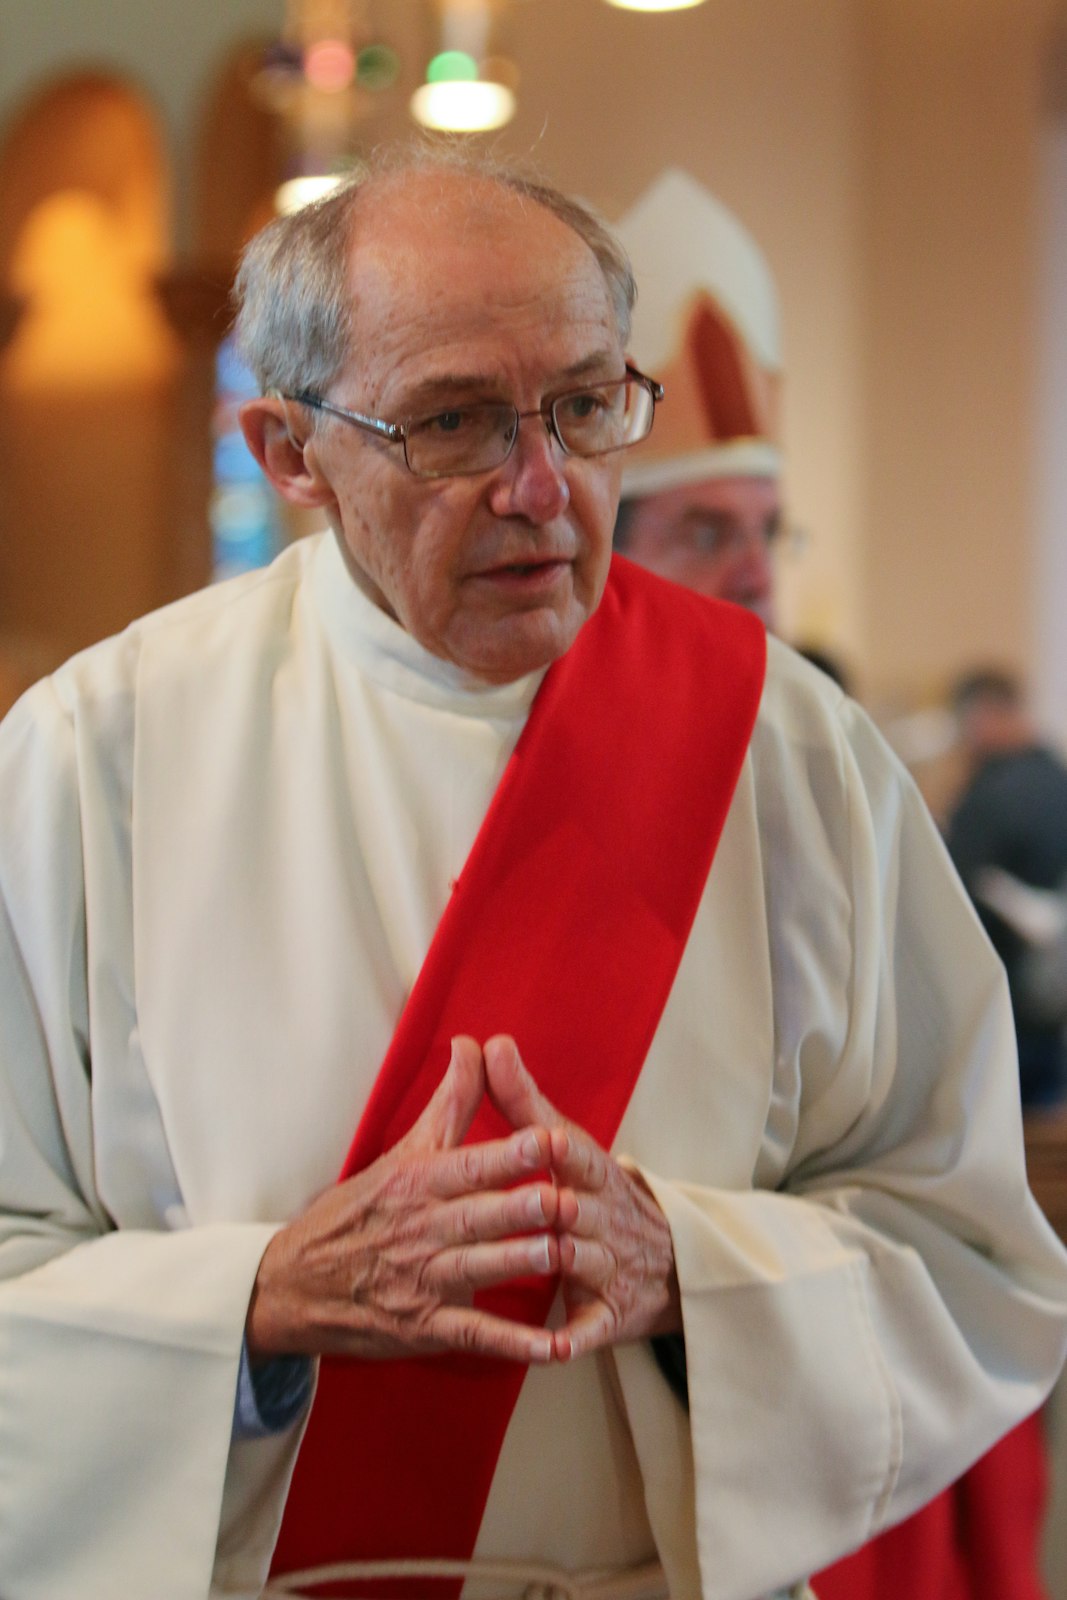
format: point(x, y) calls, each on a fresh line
point(466, 90)
point(655, 5)
point(320, 79)
point(295, 193)
point(324, 71)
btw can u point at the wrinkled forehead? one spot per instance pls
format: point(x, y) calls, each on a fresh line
point(736, 495)
point(440, 244)
point(471, 277)
point(408, 210)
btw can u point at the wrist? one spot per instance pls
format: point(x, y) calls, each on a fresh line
point(662, 1271)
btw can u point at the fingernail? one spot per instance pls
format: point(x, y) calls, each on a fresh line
point(542, 1350)
point(539, 1256)
point(530, 1150)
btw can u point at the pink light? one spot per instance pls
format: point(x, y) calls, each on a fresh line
point(329, 65)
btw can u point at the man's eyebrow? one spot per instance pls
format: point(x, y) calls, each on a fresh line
point(704, 514)
point(448, 385)
point(444, 387)
point(589, 365)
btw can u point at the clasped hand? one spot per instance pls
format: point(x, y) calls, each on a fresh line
point(387, 1263)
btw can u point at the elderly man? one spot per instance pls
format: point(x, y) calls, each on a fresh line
point(629, 994)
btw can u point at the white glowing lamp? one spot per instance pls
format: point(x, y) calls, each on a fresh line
point(655, 5)
point(463, 106)
point(298, 192)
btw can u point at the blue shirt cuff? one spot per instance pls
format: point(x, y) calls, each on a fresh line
point(270, 1397)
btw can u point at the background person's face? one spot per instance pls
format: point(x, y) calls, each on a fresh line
point(715, 537)
point(464, 293)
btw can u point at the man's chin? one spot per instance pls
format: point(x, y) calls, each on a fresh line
point(759, 605)
point(513, 645)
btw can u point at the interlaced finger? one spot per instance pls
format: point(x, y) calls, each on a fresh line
point(577, 1160)
point(466, 1268)
point(591, 1326)
point(588, 1262)
point(492, 1164)
point(472, 1218)
point(467, 1328)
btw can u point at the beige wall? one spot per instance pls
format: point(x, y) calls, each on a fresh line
point(1050, 573)
point(950, 350)
point(882, 151)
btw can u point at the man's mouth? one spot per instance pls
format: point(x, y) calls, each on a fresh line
point(545, 569)
point(526, 568)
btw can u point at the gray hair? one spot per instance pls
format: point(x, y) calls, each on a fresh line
point(294, 314)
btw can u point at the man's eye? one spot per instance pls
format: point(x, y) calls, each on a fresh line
point(711, 536)
point(580, 407)
point(447, 422)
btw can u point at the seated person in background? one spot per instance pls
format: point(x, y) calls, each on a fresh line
point(462, 968)
point(702, 505)
point(1008, 834)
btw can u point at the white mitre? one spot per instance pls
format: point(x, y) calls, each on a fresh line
point(706, 325)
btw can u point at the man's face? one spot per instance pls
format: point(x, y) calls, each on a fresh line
point(715, 537)
point(464, 293)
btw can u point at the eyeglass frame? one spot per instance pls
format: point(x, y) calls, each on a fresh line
point(397, 432)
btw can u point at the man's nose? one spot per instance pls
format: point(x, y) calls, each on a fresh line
point(750, 551)
point(757, 550)
point(532, 482)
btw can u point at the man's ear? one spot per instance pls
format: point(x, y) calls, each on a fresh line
point(278, 433)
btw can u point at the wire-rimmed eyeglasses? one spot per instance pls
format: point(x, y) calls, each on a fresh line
point(462, 440)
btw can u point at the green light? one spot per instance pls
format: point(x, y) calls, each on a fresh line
point(452, 66)
point(377, 67)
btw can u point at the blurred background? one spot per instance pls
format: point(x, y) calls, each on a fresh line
point(903, 165)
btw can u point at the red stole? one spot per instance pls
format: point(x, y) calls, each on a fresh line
point(565, 930)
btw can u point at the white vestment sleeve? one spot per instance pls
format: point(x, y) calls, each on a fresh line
point(864, 1327)
point(92, 1318)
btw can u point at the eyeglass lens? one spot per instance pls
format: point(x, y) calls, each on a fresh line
point(476, 438)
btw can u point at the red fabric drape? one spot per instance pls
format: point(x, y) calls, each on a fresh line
point(565, 929)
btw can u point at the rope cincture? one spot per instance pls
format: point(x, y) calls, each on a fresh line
point(526, 1579)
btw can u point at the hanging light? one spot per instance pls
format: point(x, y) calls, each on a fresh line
point(295, 193)
point(320, 78)
point(463, 106)
point(330, 65)
point(465, 91)
point(655, 5)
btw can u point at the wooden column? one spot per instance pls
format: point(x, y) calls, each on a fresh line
point(11, 309)
point(195, 300)
point(1046, 1163)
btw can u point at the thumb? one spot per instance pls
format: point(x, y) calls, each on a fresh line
point(445, 1122)
point(511, 1088)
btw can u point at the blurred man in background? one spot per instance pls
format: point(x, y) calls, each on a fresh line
point(702, 503)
